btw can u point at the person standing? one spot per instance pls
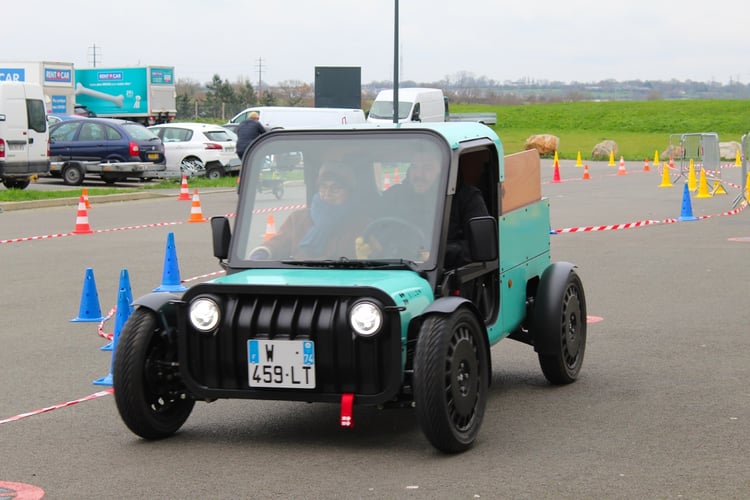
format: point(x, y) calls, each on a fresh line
point(248, 131)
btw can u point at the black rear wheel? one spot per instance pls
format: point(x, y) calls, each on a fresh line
point(451, 379)
point(560, 326)
point(150, 396)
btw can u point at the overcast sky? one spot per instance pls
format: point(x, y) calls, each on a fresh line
point(563, 40)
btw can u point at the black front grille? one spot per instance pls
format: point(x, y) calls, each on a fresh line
point(216, 365)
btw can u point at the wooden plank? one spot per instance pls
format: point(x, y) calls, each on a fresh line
point(523, 180)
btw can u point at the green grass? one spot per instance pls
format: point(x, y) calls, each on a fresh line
point(638, 127)
point(29, 194)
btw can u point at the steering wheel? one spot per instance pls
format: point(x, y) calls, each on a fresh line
point(395, 237)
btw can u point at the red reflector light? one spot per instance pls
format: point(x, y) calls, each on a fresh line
point(213, 145)
point(2, 148)
point(134, 149)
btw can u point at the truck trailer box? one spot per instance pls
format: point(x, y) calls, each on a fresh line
point(56, 79)
point(144, 94)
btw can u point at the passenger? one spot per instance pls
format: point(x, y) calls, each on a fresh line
point(415, 200)
point(327, 229)
point(249, 130)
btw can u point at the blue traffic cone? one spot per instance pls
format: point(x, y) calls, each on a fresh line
point(687, 207)
point(89, 311)
point(120, 316)
point(170, 280)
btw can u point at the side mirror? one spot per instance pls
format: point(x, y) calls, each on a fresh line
point(222, 235)
point(483, 240)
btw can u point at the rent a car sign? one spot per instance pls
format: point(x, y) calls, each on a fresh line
point(119, 91)
point(12, 75)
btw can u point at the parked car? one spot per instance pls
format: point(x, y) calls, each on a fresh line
point(103, 140)
point(84, 111)
point(201, 146)
point(53, 118)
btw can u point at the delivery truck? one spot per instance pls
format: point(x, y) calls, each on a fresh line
point(24, 146)
point(55, 78)
point(145, 94)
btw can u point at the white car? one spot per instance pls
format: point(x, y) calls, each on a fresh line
point(198, 147)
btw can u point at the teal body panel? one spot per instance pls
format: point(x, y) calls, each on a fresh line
point(457, 132)
point(409, 291)
point(524, 236)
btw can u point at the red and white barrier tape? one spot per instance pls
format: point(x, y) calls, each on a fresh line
point(90, 397)
point(631, 225)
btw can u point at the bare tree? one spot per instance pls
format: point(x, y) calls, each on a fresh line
point(294, 92)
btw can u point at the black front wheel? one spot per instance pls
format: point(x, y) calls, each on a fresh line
point(150, 396)
point(451, 380)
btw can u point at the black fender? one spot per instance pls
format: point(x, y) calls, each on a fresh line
point(449, 305)
point(548, 307)
point(162, 303)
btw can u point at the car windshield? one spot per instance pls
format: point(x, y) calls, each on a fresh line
point(349, 197)
point(384, 109)
point(217, 135)
point(139, 132)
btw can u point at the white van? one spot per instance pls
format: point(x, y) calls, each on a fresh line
point(273, 117)
point(414, 105)
point(24, 142)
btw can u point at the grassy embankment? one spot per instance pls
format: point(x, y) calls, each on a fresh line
point(639, 128)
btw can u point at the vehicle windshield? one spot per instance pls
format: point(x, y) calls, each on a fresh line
point(139, 132)
point(351, 197)
point(383, 110)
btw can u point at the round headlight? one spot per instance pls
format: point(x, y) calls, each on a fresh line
point(204, 314)
point(366, 318)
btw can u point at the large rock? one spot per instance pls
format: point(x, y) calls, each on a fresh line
point(673, 151)
point(728, 150)
point(602, 150)
point(546, 144)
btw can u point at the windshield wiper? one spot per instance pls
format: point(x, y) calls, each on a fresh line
point(345, 263)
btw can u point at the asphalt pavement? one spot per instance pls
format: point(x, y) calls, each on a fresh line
point(661, 409)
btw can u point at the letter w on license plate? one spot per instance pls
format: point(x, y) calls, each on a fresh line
point(281, 363)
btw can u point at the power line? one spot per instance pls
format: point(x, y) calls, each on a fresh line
point(94, 57)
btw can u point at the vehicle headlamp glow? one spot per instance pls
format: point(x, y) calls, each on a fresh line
point(204, 314)
point(366, 318)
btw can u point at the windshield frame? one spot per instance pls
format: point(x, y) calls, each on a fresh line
point(255, 164)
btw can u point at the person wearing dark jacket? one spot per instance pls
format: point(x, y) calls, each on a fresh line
point(247, 132)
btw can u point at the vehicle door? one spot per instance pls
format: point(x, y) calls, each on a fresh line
point(91, 143)
point(118, 146)
point(62, 137)
point(37, 134)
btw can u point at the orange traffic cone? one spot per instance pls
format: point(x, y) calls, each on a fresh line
point(556, 173)
point(82, 219)
point(270, 228)
point(586, 175)
point(646, 168)
point(184, 192)
point(386, 182)
point(396, 178)
point(85, 194)
point(621, 170)
point(196, 215)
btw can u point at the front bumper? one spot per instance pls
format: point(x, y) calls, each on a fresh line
point(215, 365)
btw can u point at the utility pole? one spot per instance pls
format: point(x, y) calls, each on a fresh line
point(260, 76)
point(395, 63)
point(94, 56)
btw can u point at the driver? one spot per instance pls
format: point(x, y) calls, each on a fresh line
point(415, 201)
point(327, 229)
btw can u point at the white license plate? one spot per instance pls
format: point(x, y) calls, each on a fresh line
point(281, 363)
